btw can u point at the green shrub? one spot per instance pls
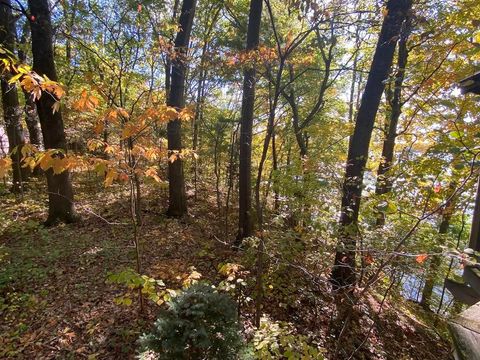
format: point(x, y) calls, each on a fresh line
point(199, 323)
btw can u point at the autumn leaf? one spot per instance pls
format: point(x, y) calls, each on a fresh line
point(52, 87)
point(30, 85)
point(86, 102)
point(421, 258)
point(58, 165)
point(152, 172)
point(122, 112)
point(111, 175)
point(5, 166)
point(186, 114)
point(55, 107)
point(99, 127)
point(45, 161)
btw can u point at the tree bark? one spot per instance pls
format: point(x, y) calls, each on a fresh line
point(60, 192)
point(245, 221)
point(11, 107)
point(168, 62)
point(343, 273)
point(177, 199)
point(384, 182)
point(474, 241)
point(436, 260)
point(31, 117)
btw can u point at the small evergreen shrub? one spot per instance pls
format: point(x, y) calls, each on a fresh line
point(199, 323)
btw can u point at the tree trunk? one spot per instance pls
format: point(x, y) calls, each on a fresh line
point(245, 221)
point(343, 273)
point(474, 241)
point(31, 117)
point(177, 199)
point(436, 260)
point(11, 108)
point(168, 62)
point(384, 183)
point(60, 192)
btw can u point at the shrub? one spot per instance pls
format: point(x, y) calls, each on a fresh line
point(199, 323)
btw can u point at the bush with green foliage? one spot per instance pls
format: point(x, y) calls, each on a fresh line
point(199, 323)
point(278, 340)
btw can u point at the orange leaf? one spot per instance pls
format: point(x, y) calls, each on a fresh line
point(421, 258)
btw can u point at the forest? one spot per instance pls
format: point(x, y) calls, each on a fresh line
point(240, 179)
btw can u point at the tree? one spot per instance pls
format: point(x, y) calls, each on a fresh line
point(31, 117)
point(343, 273)
point(60, 192)
point(394, 98)
point(436, 260)
point(177, 199)
point(245, 221)
point(11, 109)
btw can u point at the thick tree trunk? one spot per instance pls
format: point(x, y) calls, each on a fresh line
point(436, 260)
point(343, 273)
point(60, 192)
point(384, 182)
point(245, 221)
point(177, 199)
point(168, 62)
point(11, 108)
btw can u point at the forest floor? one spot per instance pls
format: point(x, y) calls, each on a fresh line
point(55, 302)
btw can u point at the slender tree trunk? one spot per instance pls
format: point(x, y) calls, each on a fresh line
point(11, 108)
point(343, 273)
point(435, 263)
point(245, 221)
point(31, 116)
point(276, 196)
point(198, 113)
point(69, 7)
point(384, 183)
point(436, 260)
point(232, 165)
point(60, 192)
point(178, 204)
point(474, 241)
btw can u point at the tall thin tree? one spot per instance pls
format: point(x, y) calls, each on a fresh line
point(394, 99)
point(31, 116)
point(436, 260)
point(11, 109)
point(60, 191)
point(343, 273)
point(177, 199)
point(245, 221)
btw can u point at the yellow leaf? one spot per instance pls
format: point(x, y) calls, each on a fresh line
point(46, 161)
point(111, 175)
point(15, 78)
point(152, 172)
point(5, 166)
point(29, 162)
point(186, 114)
point(30, 85)
point(58, 165)
point(168, 114)
point(56, 106)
